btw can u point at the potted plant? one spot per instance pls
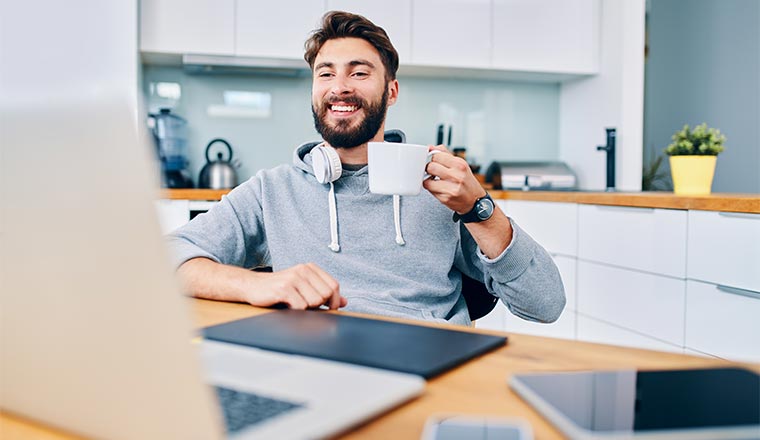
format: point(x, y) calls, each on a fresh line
point(693, 154)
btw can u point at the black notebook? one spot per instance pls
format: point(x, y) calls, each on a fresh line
point(424, 351)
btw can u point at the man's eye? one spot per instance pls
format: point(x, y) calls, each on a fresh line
point(361, 74)
point(325, 75)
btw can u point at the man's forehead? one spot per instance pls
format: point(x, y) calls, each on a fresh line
point(347, 51)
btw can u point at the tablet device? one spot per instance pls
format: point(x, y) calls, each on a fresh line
point(720, 403)
point(408, 348)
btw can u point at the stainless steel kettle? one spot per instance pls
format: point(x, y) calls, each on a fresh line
point(220, 173)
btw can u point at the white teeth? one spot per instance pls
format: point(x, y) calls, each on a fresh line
point(343, 108)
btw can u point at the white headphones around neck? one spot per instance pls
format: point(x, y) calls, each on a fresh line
point(326, 163)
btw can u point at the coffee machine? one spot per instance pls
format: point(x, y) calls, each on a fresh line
point(170, 135)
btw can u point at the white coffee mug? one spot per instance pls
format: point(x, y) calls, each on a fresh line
point(397, 168)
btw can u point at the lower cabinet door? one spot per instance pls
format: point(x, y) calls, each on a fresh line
point(502, 320)
point(647, 304)
point(723, 322)
point(563, 328)
point(593, 330)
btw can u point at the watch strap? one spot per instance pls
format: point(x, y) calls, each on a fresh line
point(471, 216)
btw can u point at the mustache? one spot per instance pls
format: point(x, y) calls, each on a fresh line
point(353, 100)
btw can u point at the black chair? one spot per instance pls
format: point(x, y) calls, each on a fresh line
point(394, 135)
point(479, 301)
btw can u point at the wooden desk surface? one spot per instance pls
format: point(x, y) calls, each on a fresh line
point(478, 387)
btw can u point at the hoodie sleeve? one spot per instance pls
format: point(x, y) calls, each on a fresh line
point(524, 276)
point(231, 232)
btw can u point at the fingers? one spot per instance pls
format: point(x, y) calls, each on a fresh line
point(300, 287)
point(456, 186)
point(327, 287)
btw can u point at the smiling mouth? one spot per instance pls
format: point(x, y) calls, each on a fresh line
point(343, 108)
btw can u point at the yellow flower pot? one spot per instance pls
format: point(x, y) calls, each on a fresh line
point(692, 175)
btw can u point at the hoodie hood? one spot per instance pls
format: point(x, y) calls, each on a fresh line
point(302, 158)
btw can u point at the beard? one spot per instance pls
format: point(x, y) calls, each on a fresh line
point(342, 135)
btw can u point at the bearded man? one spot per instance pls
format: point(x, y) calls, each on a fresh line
point(330, 242)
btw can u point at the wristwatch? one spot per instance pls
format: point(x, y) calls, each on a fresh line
point(482, 211)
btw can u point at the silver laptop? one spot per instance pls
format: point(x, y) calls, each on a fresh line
point(95, 337)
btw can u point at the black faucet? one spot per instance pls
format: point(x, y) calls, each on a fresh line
point(610, 149)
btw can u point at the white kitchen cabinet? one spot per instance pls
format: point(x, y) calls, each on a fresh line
point(546, 35)
point(647, 304)
point(647, 239)
point(723, 322)
point(181, 27)
point(563, 328)
point(595, 330)
point(395, 16)
point(451, 33)
point(275, 29)
point(553, 225)
point(724, 248)
point(172, 214)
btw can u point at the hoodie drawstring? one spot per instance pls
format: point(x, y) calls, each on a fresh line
point(397, 219)
point(334, 246)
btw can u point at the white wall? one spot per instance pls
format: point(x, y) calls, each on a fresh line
point(613, 98)
point(704, 66)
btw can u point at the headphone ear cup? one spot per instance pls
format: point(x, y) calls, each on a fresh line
point(326, 164)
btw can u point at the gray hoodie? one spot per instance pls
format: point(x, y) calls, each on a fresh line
point(409, 266)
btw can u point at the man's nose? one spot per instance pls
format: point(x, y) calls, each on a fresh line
point(341, 86)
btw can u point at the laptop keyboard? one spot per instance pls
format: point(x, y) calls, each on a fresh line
point(243, 409)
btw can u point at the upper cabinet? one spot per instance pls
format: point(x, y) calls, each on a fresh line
point(275, 29)
point(395, 16)
point(451, 33)
point(546, 35)
point(198, 27)
point(432, 36)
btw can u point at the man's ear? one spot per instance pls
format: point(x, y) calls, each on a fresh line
point(392, 92)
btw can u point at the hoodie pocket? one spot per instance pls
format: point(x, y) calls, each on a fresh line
point(362, 304)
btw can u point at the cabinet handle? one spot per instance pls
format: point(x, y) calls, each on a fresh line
point(625, 208)
point(740, 215)
point(738, 291)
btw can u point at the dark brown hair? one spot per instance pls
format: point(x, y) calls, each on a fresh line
point(338, 24)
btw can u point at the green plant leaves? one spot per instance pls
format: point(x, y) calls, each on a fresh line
point(702, 141)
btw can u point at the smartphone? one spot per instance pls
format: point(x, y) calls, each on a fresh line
point(457, 427)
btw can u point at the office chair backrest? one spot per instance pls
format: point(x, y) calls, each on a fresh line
point(394, 135)
point(479, 300)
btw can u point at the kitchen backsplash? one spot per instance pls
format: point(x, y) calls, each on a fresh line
point(494, 120)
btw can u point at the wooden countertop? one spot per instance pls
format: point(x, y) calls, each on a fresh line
point(478, 387)
point(725, 202)
point(749, 203)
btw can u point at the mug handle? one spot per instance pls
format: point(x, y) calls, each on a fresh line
point(429, 158)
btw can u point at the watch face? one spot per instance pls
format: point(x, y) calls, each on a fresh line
point(484, 209)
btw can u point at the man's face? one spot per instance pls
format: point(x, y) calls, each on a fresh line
point(350, 94)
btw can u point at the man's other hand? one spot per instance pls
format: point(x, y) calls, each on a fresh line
point(305, 286)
